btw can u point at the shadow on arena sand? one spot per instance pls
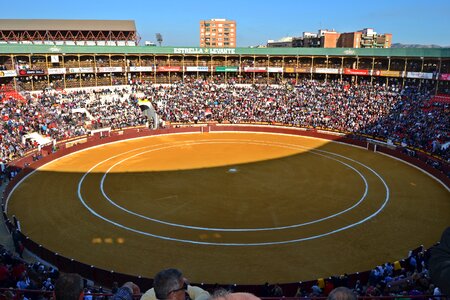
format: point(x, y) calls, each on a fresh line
point(287, 217)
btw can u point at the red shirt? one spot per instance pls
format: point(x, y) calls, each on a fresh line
point(4, 273)
point(18, 270)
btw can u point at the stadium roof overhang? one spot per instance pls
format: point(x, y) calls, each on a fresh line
point(67, 25)
point(340, 52)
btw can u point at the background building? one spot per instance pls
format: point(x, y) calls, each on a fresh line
point(366, 38)
point(69, 32)
point(218, 33)
point(286, 42)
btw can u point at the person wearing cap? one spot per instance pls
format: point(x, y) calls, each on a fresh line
point(170, 284)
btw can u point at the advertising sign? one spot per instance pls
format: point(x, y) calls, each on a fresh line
point(326, 70)
point(197, 69)
point(227, 69)
point(391, 73)
point(8, 73)
point(275, 70)
point(303, 70)
point(169, 69)
point(141, 69)
point(255, 69)
point(24, 72)
point(289, 70)
point(356, 72)
point(81, 70)
point(419, 75)
point(204, 50)
point(53, 71)
point(444, 77)
point(109, 69)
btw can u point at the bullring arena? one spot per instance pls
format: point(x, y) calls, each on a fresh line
point(231, 204)
point(254, 165)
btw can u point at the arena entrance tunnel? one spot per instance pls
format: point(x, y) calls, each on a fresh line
point(227, 204)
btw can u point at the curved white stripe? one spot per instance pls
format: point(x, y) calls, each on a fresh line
point(211, 243)
point(288, 146)
point(243, 244)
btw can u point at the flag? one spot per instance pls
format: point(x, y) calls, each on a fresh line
point(144, 104)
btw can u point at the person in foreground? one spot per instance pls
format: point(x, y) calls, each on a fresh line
point(170, 284)
point(341, 293)
point(127, 291)
point(69, 286)
point(223, 294)
point(440, 263)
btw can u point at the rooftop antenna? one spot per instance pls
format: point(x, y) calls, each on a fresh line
point(159, 38)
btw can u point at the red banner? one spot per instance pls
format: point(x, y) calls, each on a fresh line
point(255, 69)
point(24, 72)
point(169, 69)
point(441, 98)
point(356, 72)
point(444, 77)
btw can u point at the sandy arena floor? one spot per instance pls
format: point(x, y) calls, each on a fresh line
point(240, 208)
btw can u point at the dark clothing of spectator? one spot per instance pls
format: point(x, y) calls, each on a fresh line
point(440, 263)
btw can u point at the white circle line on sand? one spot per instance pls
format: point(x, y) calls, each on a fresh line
point(288, 146)
point(237, 244)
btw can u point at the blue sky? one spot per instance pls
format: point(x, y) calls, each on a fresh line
point(410, 22)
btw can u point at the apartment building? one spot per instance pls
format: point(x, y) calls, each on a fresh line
point(218, 33)
point(366, 38)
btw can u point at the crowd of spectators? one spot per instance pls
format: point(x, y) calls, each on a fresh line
point(115, 113)
point(59, 115)
point(332, 105)
point(386, 280)
point(24, 281)
point(400, 115)
point(387, 112)
point(17, 275)
point(414, 121)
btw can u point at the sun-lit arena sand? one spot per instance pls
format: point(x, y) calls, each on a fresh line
point(240, 208)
